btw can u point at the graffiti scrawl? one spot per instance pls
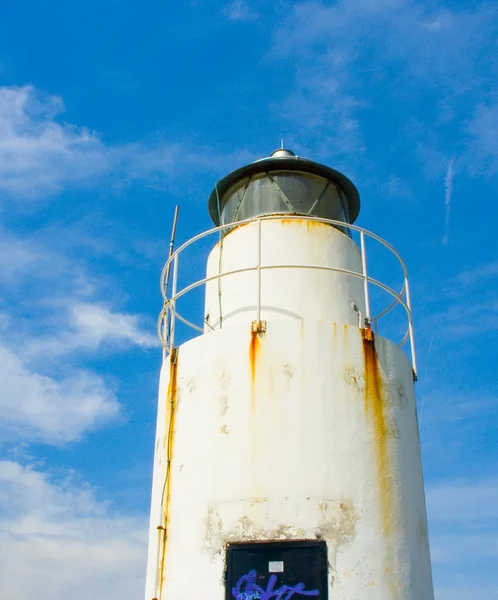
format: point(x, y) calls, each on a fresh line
point(248, 589)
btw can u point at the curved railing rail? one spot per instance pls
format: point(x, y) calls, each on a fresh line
point(169, 314)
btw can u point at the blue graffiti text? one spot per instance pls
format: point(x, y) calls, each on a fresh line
point(248, 589)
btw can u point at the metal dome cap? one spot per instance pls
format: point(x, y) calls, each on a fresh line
point(284, 183)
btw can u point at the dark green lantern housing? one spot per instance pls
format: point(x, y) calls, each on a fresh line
point(284, 184)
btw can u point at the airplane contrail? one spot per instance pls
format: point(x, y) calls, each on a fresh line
point(448, 193)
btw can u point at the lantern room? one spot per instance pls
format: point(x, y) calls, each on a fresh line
point(284, 184)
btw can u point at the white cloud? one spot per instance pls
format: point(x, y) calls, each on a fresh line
point(33, 266)
point(37, 153)
point(47, 396)
point(96, 323)
point(240, 10)
point(44, 397)
point(36, 407)
point(16, 257)
point(58, 541)
point(89, 325)
point(40, 154)
point(63, 294)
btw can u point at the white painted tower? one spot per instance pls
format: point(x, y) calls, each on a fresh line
point(287, 457)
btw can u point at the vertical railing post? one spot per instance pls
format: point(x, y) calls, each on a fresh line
point(173, 304)
point(258, 305)
point(164, 330)
point(365, 276)
point(410, 326)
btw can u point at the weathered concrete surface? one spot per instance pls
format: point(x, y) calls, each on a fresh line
point(306, 431)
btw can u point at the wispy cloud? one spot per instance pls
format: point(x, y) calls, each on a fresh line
point(40, 408)
point(17, 256)
point(57, 540)
point(89, 325)
point(240, 10)
point(466, 306)
point(456, 501)
point(48, 395)
point(463, 527)
point(356, 62)
point(483, 133)
point(40, 154)
point(479, 274)
point(448, 194)
point(465, 317)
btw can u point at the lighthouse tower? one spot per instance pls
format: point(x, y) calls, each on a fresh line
point(287, 457)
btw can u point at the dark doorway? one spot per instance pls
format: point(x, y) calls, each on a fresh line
point(277, 571)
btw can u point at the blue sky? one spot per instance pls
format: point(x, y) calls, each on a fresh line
point(110, 114)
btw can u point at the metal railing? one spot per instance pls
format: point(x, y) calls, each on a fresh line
point(169, 314)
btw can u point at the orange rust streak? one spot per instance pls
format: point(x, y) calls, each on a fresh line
point(309, 223)
point(171, 395)
point(375, 404)
point(253, 353)
point(253, 357)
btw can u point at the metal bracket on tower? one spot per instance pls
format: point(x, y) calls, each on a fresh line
point(368, 334)
point(173, 357)
point(258, 327)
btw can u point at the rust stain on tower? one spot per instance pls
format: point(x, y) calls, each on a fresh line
point(254, 347)
point(172, 405)
point(375, 402)
point(310, 225)
point(375, 405)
